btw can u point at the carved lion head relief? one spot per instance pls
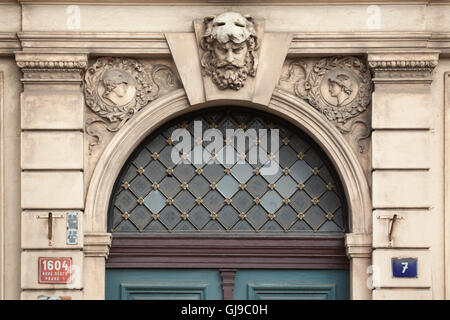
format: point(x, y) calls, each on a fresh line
point(230, 43)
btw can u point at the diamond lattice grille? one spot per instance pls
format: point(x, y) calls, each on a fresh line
point(155, 195)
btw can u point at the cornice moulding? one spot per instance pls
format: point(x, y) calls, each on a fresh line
point(117, 43)
point(403, 60)
point(8, 43)
point(97, 244)
point(57, 61)
point(403, 67)
point(357, 42)
point(96, 42)
point(232, 2)
point(359, 245)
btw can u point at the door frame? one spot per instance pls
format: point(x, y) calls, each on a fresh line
point(283, 104)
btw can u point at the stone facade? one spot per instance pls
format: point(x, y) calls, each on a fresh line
point(81, 85)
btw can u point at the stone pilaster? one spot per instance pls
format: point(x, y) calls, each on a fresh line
point(402, 136)
point(52, 163)
point(359, 251)
point(96, 250)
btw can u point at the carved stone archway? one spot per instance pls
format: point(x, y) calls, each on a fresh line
point(176, 103)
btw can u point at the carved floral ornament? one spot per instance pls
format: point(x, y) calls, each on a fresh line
point(229, 42)
point(339, 87)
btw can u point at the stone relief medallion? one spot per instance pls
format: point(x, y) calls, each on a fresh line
point(116, 88)
point(229, 42)
point(339, 87)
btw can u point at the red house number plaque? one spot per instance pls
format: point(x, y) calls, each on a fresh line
point(55, 270)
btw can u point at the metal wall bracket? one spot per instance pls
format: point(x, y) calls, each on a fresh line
point(50, 216)
point(392, 219)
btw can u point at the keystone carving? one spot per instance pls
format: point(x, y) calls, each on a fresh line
point(339, 87)
point(230, 45)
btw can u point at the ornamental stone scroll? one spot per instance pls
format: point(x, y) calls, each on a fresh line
point(116, 88)
point(338, 87)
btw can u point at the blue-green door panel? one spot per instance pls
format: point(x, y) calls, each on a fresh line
point(159, 284)
point(156, 284)
point(291, 284)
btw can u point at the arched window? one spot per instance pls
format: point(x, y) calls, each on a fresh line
point(228, 192)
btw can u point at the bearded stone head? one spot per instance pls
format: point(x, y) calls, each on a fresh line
point(230, 43)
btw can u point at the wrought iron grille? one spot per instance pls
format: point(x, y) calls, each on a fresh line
point(155, 195)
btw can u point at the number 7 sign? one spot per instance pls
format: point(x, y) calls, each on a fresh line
point(55, 270)
point(404, 267)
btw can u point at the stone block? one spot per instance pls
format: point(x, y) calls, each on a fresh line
point(52, 190)
point(400, 149)
point(51, 294)
point(401, 108)
point(412, 230)
point(52, 150)
point(52, 110)
point(402, 294)
point(30, 263)
point(402, 189)
point(383, 276)
point(35, 230)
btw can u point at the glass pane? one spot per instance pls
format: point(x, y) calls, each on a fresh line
point(184, 172)
point(228, 216)
point(141, 186)
point(286, 216)
point(184, 201)
point(300, 171)
point(126, 201)
point(271, 201)
point(199, 186)
point(300, 201)
point(156, 144)
point(330, 201)
point(271, 226)
point(155, 226)
point(155, 201)
point(271, 171)
point(315, 186)
point(286, 186)
point(169, 186)
point(243, 226)
point(242, 172)
point(242, 201)
point(141, 216)
point(228, 186)
point(142, 159)
point(257, 216)
point(155, 171)
point(213, 172)
point(257, 186)
point(165, 157)
point(287, 156)
point(315, 217)
point(199, 216)
point(213, 201)
point(170, 216)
